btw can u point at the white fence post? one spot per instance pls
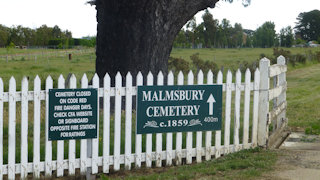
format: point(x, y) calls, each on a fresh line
point(227, 113)
point(179, 134)
point(160, 80)
point(36, 128)
point(128, 123)
point(48, 144)
point(106, 123)
point(218, 133)
point(189, 141)
point(83, 142)
point(199, 133)
point(209, 133)
point(24, 128)
point(263, 102)
point(12, 129)
point(283, 96)
point(95, 141)
point(236, 124)
point(138, 144)
point(149, 136)
point(255, 110)
point(72, 143)
point(169, 135)
point(246, 113)
point(60, 143)
point(117, 123)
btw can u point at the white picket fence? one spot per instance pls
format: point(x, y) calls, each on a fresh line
point(255, 112)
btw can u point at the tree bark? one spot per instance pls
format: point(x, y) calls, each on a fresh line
point(137, 36)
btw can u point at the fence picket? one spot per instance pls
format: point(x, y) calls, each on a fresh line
point(169, 135)
point(117, 123)
point(60, 143)
point(159, 135)
point(128, 125)
point(149, 136)
point(179, 134)
point(218, 133)
point(245, 140)
point(24, 128)
point(1, 128)
point(12, 129)
point(199, 133)
point(237, 112)
point(227, 113)
point(95, 141)
point(138, 147)
point(72, 143)
point(36, 128)
point(106, 123)
point(48, 144)
point(189, 134)
point(255, 110)
point(209, 133)
point(83, 142)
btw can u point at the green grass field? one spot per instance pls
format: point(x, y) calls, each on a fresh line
point(303, 98)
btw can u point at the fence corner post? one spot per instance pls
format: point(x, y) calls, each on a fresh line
point(263, 102)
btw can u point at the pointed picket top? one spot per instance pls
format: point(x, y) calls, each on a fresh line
point(149, 79)
point(24, 82)
point(190, 78)
point(1, 84)
point(257, 73)
point(37, 83)
point(12, 84)
point(139, 79)
point(106, 80)
point(160, 78)
point(229, 76)
point(49, 83)
point(118, 80)
point(219, 77)
point(128, 79)
point(210, 77)
point(73, 81)
point(257, 79)
point(180, 78)
point(61, 81)
point(200, 77)
point(84, 81)
point(170, 78)
point(281, 60)
point(248, 76)
point(95, 81)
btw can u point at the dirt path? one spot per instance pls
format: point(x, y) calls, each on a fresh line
point(299, 159)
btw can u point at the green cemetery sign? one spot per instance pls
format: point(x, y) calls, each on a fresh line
point(73, 114)
point(178, 108)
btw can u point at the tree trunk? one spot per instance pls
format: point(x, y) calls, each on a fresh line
point(137, 36)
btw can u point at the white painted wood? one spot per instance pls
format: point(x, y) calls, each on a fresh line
point(138, 145)
point(83, 142)
point(60, 143)
point(227, 113)
point(278, 110)
point(106, 123)
point(128, 125)
point(36, 128)
point(48, 144)
point(12, 129)
point(255, 107)
point(237, 112)
point(245, 140)
point(24, 128)
point(117, 123)
point(283, 96)
point(179, 134)
point(277, 69)
point(263, 101)
point(189, 134)
point(218, 133)
point(199, 133)
point(276, 92)
point(169, 135)
point(149, 136)
point(95, 141)
point(1, 127)
point(208, 133)
point(72, 143)
point(160, 81)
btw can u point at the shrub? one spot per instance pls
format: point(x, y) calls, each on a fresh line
point(178, 64)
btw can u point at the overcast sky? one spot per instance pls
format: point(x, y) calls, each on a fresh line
point(80, 18)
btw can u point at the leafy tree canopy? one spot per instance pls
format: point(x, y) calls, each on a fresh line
point(308, 25)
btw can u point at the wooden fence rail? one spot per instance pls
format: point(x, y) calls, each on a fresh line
point(235, 134)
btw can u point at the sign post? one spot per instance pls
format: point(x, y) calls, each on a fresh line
point(179, 108)
point(73, 114)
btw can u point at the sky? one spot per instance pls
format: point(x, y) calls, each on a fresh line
point(80, 18)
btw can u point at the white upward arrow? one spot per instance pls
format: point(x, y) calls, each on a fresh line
point(211, 100)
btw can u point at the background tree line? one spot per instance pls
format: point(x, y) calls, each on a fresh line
point(214, 34)
point(43, 36)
